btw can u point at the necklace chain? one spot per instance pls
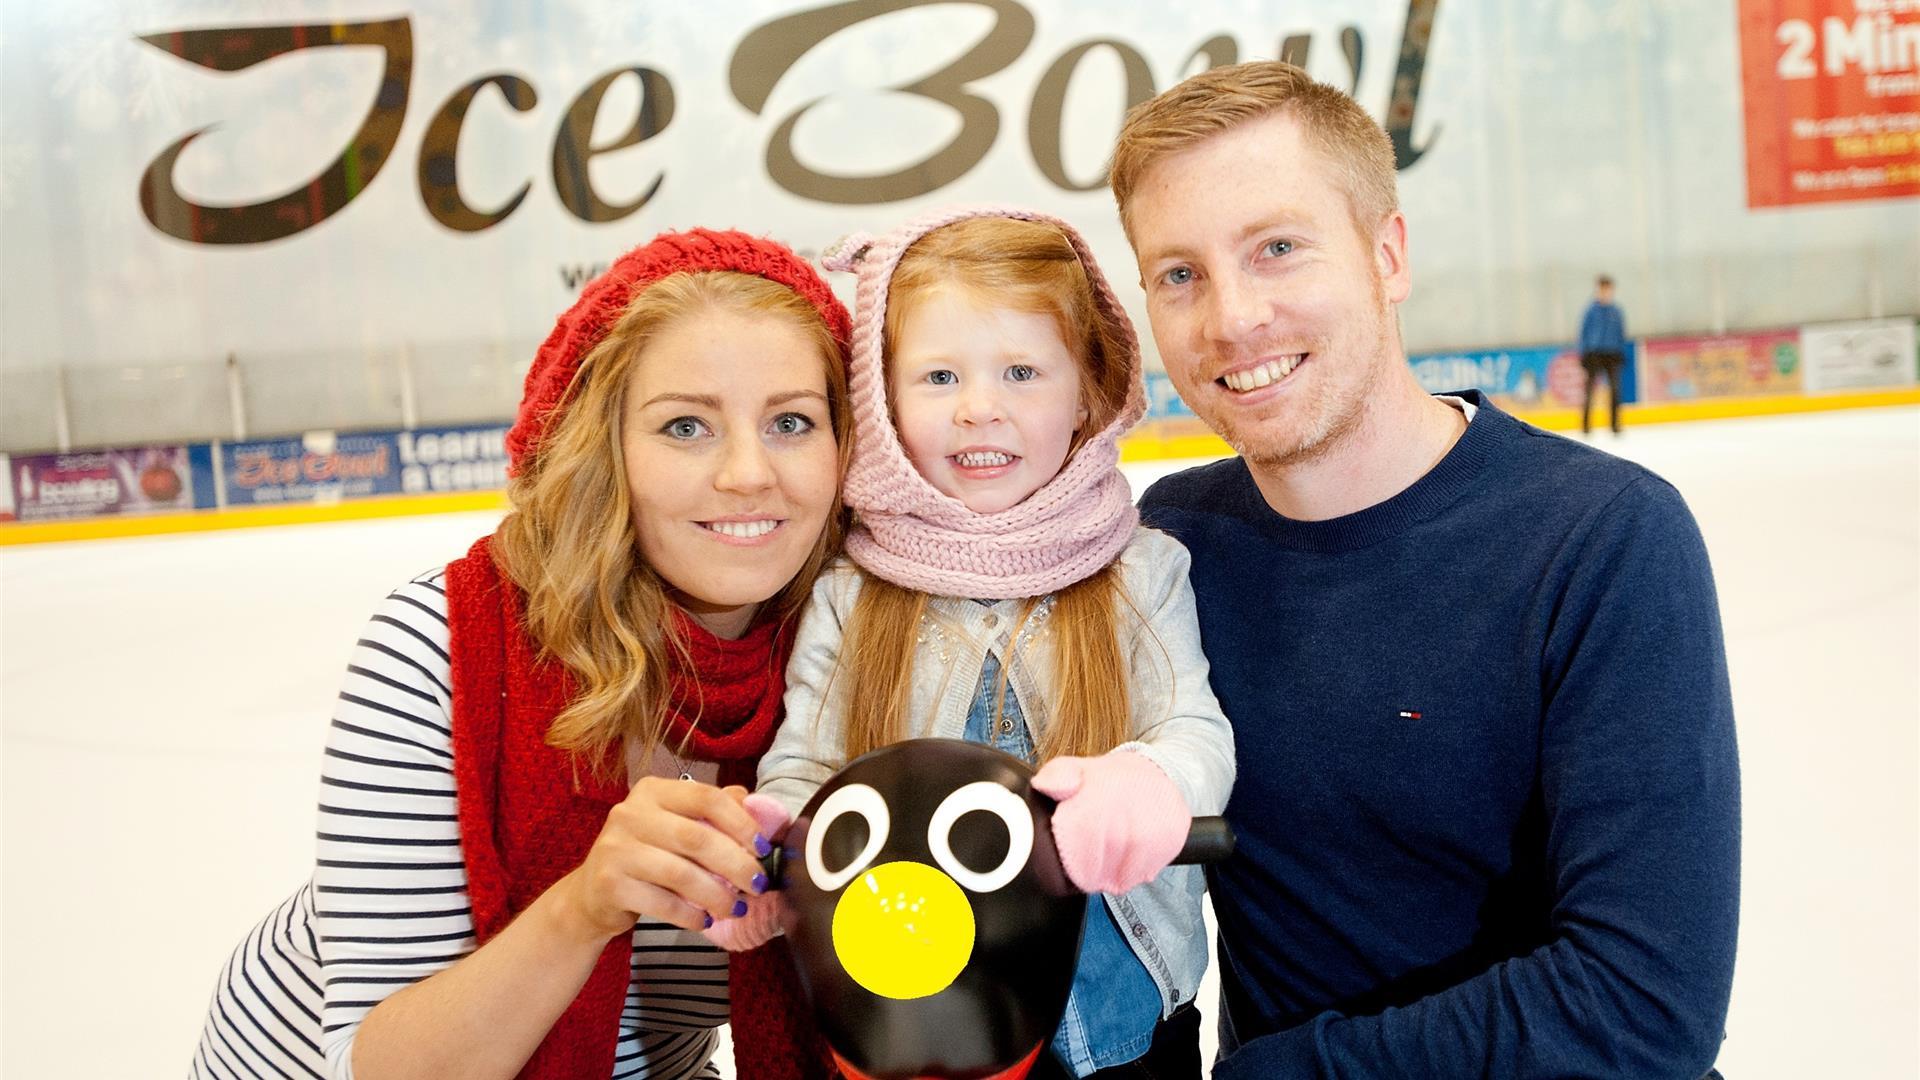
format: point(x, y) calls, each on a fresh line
point(684, 765)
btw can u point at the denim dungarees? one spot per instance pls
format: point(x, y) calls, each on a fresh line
point(1114, 1005)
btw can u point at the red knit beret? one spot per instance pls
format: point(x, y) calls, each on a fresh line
point(601, 303)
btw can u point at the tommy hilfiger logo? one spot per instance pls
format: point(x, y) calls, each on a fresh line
point(1409, 714)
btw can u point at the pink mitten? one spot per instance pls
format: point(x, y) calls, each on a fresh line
point(1120, 820)
point(761, 923)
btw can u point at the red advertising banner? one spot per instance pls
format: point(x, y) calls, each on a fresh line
point(97, 483)
point(1729, 365)
point(1832, 93)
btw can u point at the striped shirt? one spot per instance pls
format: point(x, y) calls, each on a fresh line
point(387, 905)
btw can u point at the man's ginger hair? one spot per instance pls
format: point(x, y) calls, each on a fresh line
point(1352, 144)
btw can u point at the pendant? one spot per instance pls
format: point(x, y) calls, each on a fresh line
point(684, 775)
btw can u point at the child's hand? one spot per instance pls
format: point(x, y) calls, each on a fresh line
point(1120, 820)
point(761, 923)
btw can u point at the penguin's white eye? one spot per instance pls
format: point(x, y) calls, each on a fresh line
point(990, 798)
point(852, 799)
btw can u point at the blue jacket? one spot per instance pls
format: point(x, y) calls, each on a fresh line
point(1603, 327)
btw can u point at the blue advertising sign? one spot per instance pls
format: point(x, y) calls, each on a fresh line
point(1163, 401)
point(316, 467)
point(452, 459)
point(323, 466)
point(1522, 380)
point(1518, 380)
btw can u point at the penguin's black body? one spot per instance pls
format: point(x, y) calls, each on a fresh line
point(934, 929)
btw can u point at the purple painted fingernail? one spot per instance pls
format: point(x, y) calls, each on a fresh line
point(709, 923)
point(761, 847)
point(759, 883)
point(739, 908)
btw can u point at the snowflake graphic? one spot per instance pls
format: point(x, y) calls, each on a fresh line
point(96, 67)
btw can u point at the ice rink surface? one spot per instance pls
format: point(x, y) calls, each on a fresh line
point(164, 702)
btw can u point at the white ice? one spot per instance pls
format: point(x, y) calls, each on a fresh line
point(163, 704)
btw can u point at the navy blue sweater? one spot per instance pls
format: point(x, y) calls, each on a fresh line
point(1488, 797)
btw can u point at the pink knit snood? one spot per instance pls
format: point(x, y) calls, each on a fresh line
point(909, 533)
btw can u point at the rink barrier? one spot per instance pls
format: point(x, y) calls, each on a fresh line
point(327, 476)
point(1161, 440)
point(1150, 443)
point(247, 517)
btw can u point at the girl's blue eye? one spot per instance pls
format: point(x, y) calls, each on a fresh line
point(1278, 247)
point(942, 378)
point(792, 424)
point(1022, 372)
point(684, 427)
point(1179, 275)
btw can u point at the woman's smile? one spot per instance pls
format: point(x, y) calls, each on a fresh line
point(743, 531)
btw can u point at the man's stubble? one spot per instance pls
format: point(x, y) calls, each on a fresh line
point(1336, 411)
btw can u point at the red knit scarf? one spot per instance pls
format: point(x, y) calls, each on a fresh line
point(526, 820)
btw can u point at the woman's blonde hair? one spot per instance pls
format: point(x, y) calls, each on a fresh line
point(592, 603)
point(1026, 266)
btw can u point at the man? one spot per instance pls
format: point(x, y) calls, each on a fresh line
point(1487, 805)
point(1603, 350)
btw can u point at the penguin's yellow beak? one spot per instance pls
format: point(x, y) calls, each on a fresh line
point(903, 930)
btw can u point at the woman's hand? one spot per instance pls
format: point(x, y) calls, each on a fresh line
point(761, 923)
point(674, 850)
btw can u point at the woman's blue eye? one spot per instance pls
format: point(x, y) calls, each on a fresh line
point(1179, 275)
point(1022, 372)
point(684, 427)
point(792, 424)
point(942, 378)
point(1278, 247)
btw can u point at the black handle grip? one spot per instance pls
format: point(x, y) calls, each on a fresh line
point(1209, 840)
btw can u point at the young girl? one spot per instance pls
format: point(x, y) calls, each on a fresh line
point(1002, 592)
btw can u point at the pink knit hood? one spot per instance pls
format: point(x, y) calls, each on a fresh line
point(909, 533)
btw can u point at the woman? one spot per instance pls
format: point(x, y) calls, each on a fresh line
point(529, 806)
